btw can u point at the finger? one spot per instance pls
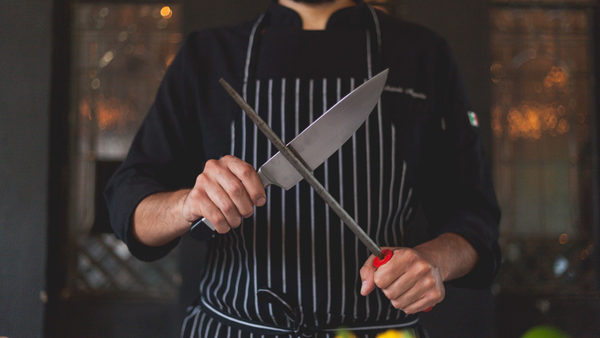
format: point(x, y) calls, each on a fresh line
point(411, 295)
point(249, 178)
point(221, 199)
point(426, 288)
point(400, 286)
point(216, 217)
point(237, 193)
point(367, 277)
point(198, 205)
point(395, 268)
point(422, 305)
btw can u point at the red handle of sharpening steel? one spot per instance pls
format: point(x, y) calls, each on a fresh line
point(387, 256)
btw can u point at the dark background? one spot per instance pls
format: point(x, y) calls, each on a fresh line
point(34, 104)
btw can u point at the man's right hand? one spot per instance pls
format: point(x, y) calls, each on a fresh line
point(225, 192)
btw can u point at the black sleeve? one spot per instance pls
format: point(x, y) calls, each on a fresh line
point(166, 154)
point(457, 191)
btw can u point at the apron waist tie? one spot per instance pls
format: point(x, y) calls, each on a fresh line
point(298, 328)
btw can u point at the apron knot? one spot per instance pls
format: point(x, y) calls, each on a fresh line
point(292, 311)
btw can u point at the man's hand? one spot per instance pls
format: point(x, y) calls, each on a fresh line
point(225, 192)
point(413, 278)
point(410, 280)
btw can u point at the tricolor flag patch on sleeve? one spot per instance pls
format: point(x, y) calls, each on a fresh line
point(473, 119)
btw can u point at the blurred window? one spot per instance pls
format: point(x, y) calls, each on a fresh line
point(120, 53)
point(541, 120)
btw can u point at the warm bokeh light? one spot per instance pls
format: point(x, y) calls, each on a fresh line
point(166, 12)
point(530, 119)
point(557, 77)
point(109, 113)
point(386, 334)
point(564, 238)
point(169, 59)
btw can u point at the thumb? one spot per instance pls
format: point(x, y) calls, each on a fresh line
point(366, 275)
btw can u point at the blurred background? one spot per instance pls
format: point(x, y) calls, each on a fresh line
point(77, 78)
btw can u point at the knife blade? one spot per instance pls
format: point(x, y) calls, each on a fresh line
point(315, 144)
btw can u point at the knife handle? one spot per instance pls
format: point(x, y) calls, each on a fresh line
point(388, 255)
point(202, 230)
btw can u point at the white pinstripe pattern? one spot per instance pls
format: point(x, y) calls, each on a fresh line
point(406, 204)
point(368, 162)
point(243, 157)
point(200, 325)
point(342, 225)
point(231, 265)
point(283, 223)
point(270, 123)
point(380, 202)
point(210, 320)
point(208, 268)
point(400, 198)
point(391, 197)
point(355, 185)
point(400, 216)
point(379, 221)
point(239, 275)
point(368, 179)
point(232, 130)
point(185, 320)
point(392, 183)
point(255, 165)
point(247, 73)
point(377, 28)
point(327, 233)
point(408, 214)
point(249, 52)
point(297, 131)
point(218, 330)
point(311, 88)
point(214, 273)
point(195, 323)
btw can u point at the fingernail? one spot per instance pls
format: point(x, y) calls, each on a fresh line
point(363, 287)
point(261, 201)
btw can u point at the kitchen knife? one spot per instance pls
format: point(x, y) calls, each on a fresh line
point(315, 144)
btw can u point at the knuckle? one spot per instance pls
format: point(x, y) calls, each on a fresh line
point(410, 254)
point(228, 207)
point(396, 304)
point(235, 190)
point(246, 171)
point(200, 180)
point(437, 295)
point(217, 218)
point(210, 164)
point(422, 266)
point(429, 282)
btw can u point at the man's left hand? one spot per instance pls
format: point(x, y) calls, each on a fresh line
point(411, 280)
